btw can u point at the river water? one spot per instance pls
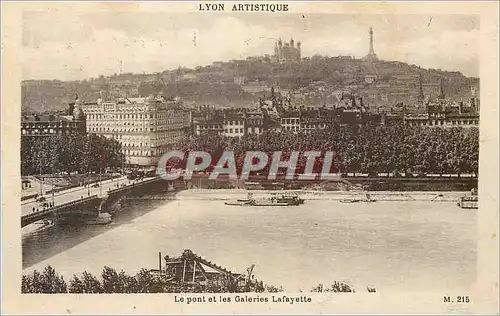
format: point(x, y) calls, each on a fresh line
point(391, 245)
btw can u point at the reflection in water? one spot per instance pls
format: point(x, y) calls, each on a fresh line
point(390, 245)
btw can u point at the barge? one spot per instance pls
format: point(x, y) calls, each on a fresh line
point(469, 201)
point(274, 200)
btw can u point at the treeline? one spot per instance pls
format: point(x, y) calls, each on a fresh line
point(111, 281)
point(361, 149)
point(69, 153)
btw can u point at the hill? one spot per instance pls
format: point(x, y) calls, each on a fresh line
point(313, 81)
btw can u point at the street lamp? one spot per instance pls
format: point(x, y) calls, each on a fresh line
point(100, 181)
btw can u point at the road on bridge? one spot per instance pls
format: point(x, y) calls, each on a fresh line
point(73, 194)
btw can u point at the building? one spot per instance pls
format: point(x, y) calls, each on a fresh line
point(287, 52)
point(52, 124)
point(254, 122)
point(146, 127)
point(290, 121)
point(233, 125)
point(444, 114)
point(443, 120)
point(312, 120)
point(207, 121)
point(371, 52)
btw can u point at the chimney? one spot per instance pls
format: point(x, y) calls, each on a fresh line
point(159, 261)
point(460, 107)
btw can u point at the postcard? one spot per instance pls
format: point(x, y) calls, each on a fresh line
point(249, 157)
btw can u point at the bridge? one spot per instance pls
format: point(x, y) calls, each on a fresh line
point(88, 201)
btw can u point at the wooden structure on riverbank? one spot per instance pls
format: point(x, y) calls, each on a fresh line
point(190, 269)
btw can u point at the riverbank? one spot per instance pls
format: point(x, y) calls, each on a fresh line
point(407, 196)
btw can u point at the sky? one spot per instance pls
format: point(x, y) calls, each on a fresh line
point(68, 45)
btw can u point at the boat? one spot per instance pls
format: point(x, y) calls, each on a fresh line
point(248, 199)
point(275, 200)
point(290, 199)
point(237, 203)
point(468, 202)
point(350, 200)
point(102, 219)
point(269, 202)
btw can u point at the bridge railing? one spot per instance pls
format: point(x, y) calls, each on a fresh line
point(60, 206)
point(132, 185)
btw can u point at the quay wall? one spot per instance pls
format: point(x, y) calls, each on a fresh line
point(345, 184)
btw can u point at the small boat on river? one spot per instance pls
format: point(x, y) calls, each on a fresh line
point(350, 200)
point(275, 200)
point(469, 201)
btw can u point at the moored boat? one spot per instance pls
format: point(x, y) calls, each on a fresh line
point(469, 201)
point(102, 219)
point(237, 203)
point(350, 200)
point(275, 200)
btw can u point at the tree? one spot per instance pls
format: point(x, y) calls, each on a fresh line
point(76, 285)
point(111, 281)
point(91, 284)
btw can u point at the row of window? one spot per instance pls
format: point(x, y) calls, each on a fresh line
point(46, 131)
point(180, 117)
point(238, 122)
point(127, 130)
point(440, 123)
point(49, 125)
point(236, 130)
point(290, 121)
point(313, 126)
point(170, 125)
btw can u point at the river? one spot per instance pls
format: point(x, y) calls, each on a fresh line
point(391, 245)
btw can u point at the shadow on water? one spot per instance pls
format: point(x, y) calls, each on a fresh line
point(45, 243)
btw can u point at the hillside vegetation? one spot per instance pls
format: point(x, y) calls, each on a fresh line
point(216, 84)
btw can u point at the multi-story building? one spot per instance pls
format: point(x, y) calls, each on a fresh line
point(287, 52)
point(52, 124)
point(207, 121)
point(290, 121)
point(205, 126)
point(443, 114)
point(234, 125)
point(312, 120)
point(443, 120)
point(146, 127)
point(254, 122)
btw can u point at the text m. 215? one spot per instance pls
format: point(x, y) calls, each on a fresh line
point(459, 299)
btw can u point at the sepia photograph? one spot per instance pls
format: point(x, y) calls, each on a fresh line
point(252, 154)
